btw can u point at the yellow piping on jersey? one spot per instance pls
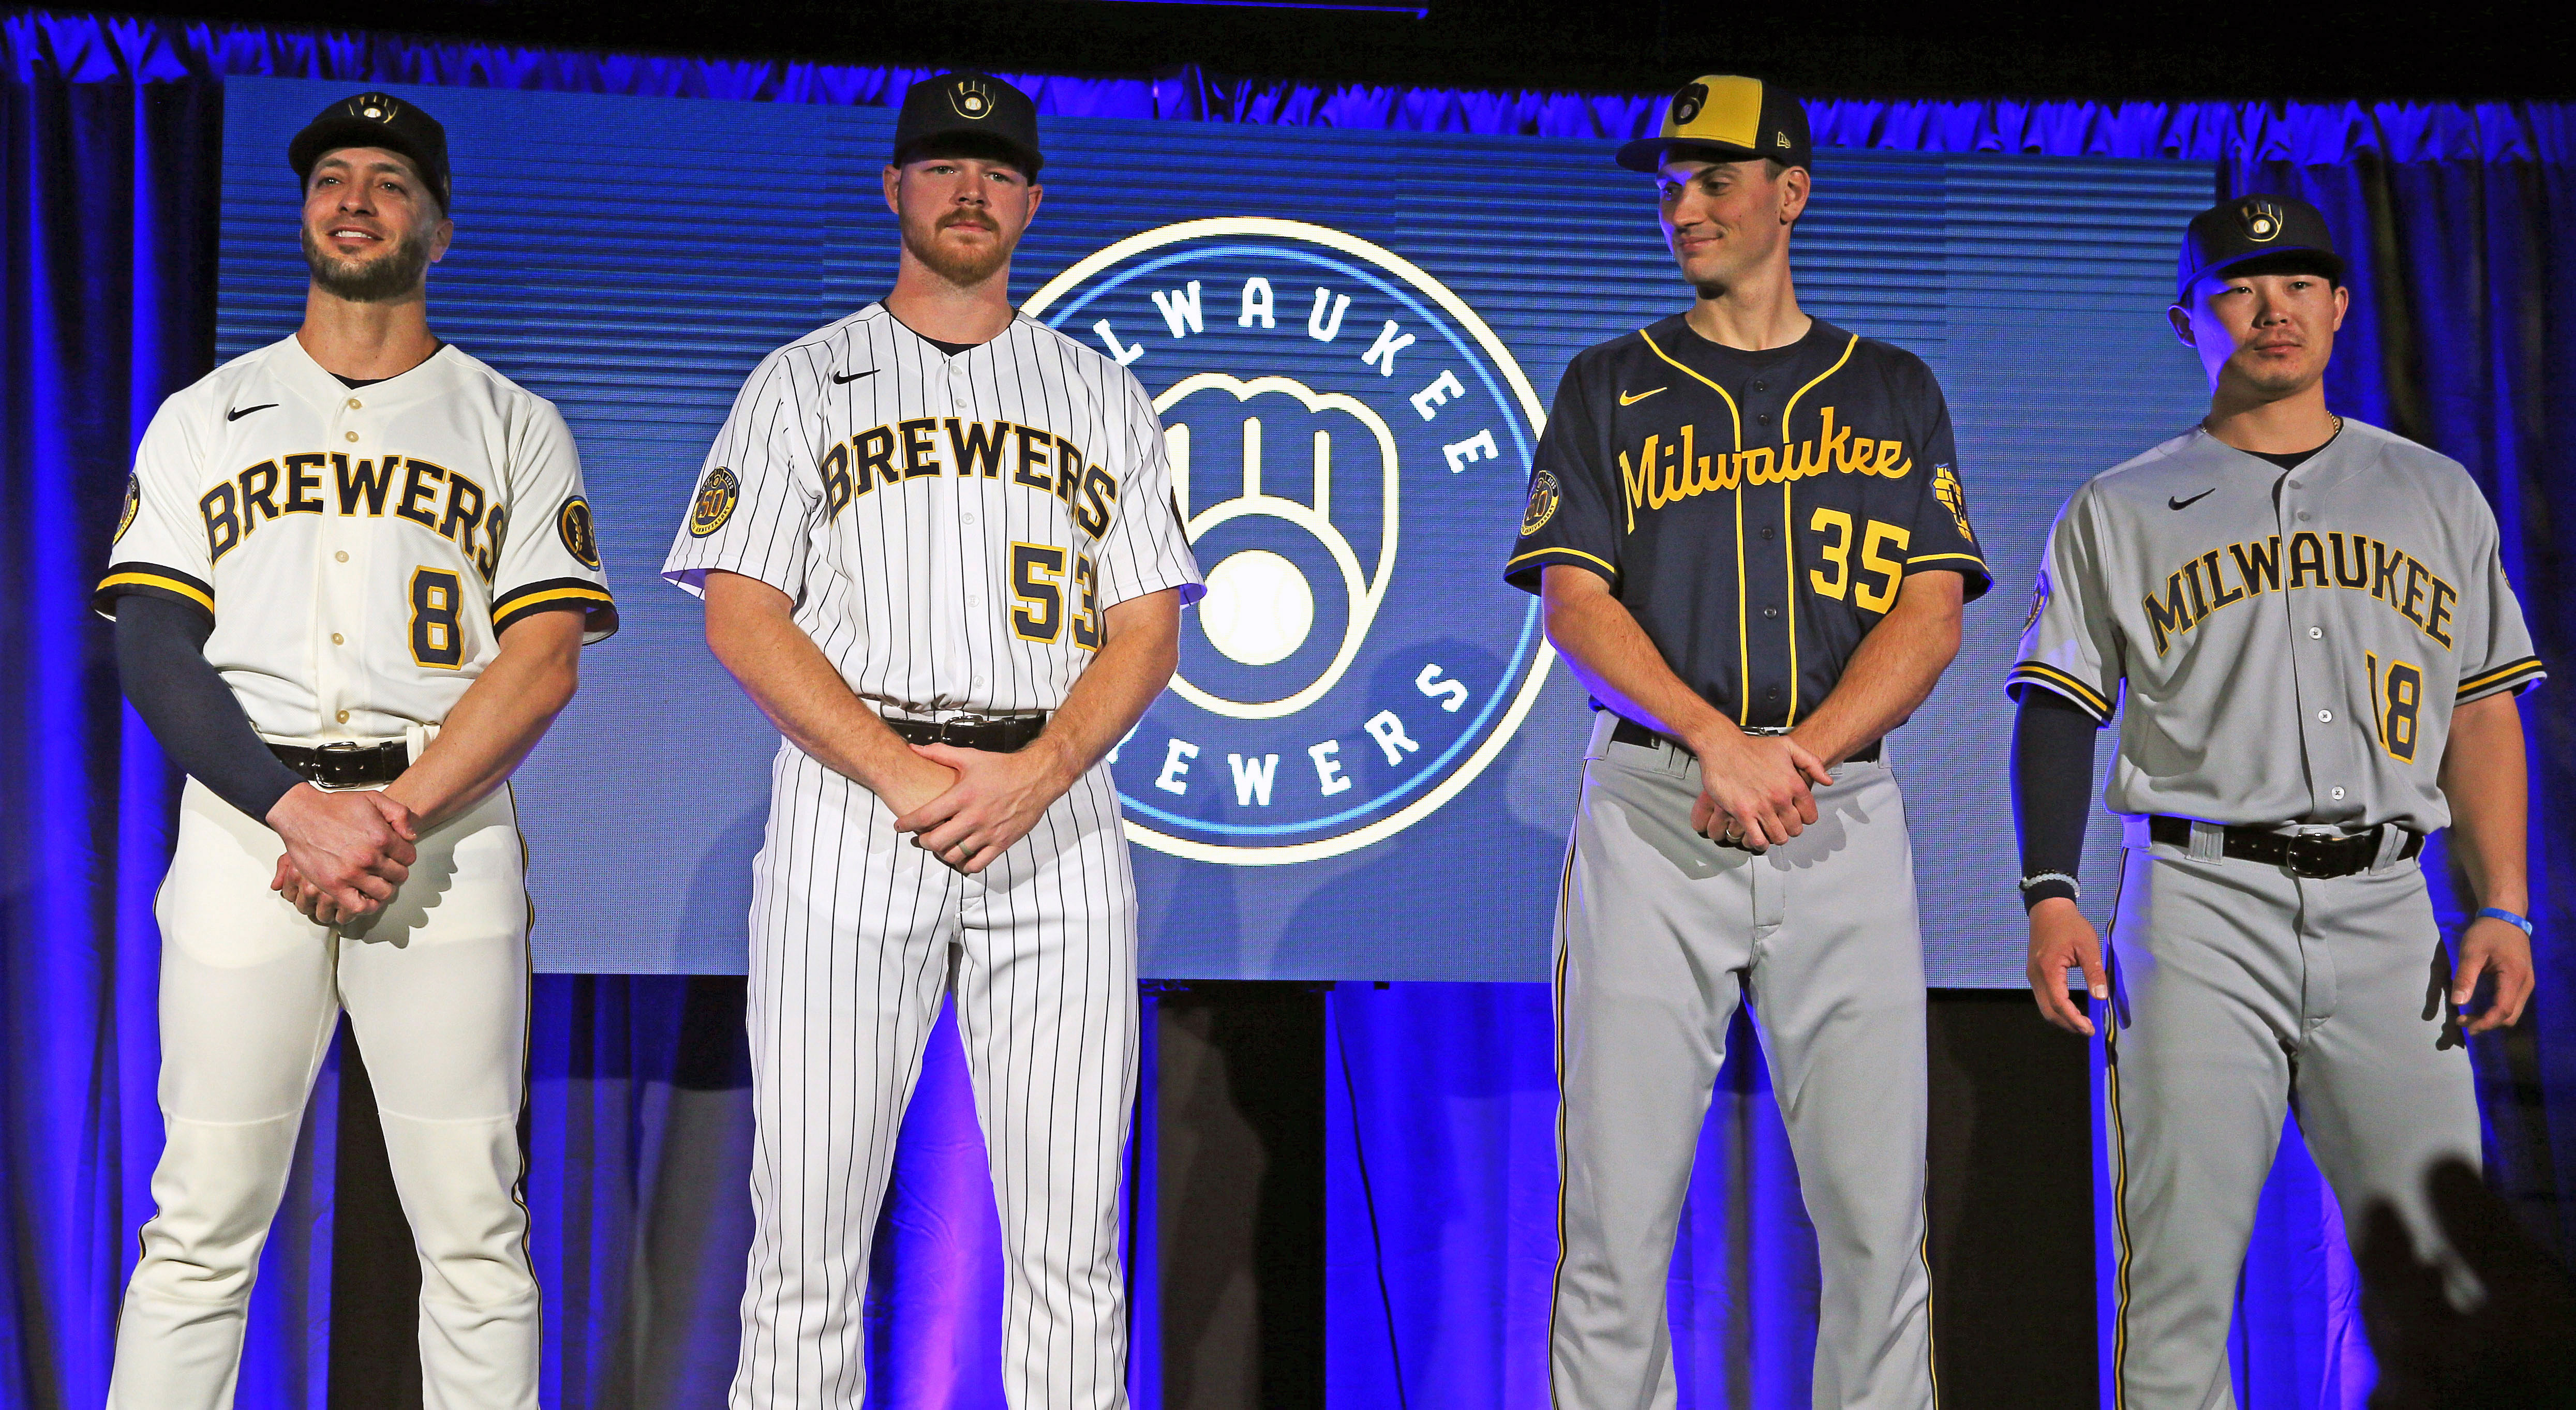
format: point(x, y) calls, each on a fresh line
point(155, 580)
point(2040, 674)
point(1734, 417)
point(1579, 553)
point(568, 594)
point(1789, 519)
point(1937, 557)
point(1735, 423)
point(2529, 665)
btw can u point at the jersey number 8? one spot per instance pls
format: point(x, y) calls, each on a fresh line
point(2396, 706)
point(435, 637)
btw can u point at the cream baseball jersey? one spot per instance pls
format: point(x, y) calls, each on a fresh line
point(2291, 642)
point(359, 549)
point(953, 529)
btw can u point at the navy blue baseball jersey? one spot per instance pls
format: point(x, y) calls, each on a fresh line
point(1755, 511)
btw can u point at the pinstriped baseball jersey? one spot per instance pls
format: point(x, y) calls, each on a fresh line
point(1755, 511)
point(359, 549)
point(2291, 643)
point(953, 529)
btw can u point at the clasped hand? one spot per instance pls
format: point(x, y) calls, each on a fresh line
point(1756, 791)
point(345, 852)
point(988, 800)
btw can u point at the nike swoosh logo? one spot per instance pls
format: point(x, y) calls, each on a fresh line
point(840, 377)
point(238, 413)
point(2173, 503)
point(1627, 400)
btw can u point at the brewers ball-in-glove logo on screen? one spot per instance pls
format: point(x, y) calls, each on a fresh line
point(1347, 440)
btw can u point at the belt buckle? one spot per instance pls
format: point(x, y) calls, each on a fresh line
point(2309, 858)
point(337, 762)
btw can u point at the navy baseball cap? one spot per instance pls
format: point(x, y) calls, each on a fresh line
point(969, 109)
point(1726, 118)
point(375, 120)
point(2250, 228)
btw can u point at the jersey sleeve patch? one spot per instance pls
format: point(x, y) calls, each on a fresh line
point(133, 506)
point(150, 580)
point(1543, 499)
point(599, 610)
point(580, 538)
point(2516, 676)
point(2048, 677)
point(718, 493)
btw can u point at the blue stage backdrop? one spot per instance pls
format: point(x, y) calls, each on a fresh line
point(1365, 767)
point(1438, 1230)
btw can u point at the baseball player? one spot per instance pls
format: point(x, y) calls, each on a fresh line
point(351, 585)
point(2310, 623)
point(1748, 531)
point(938, 548)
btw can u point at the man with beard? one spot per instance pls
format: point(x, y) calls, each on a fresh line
point(2304, 626)
point(351, 585)
point(938, 549)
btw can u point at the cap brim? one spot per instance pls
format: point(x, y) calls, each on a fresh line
point(1649, 153)
point(2182, 287)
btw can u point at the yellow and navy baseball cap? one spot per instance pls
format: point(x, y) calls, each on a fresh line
point(2256, 227)
point(966, 110)
point(375, 120)
point(1723, 117)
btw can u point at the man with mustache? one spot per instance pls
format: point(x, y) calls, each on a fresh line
point(2304, 626)
point(351, 587)
point(938, 549)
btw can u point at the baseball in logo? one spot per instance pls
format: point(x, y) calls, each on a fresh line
point(1347, 439)
point(970, 98)
point(1687, 103)
point(580, 539)
point(2261, 218)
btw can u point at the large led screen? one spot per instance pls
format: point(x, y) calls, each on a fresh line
point(1366, 765)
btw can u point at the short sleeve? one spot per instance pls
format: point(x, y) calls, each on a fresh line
point(161, 549)
point(2071, 644)
point(2494, 649)
point(1569, 516)
point(1147, 549)
point(1940, 538)
point(757, 490)
point(549, 558)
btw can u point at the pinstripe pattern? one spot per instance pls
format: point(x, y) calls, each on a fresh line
point(909, 587)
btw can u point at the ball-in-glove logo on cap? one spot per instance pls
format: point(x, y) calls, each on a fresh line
point(2261, 219)
point(1688, 102)
point(970, 98)
point(374, 107)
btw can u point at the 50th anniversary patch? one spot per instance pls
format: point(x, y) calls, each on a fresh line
point(1348, 443)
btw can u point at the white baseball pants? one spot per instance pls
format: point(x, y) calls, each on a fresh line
point(436, 987)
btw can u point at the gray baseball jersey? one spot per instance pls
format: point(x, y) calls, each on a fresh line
point(2292, 642)
point(954, 529)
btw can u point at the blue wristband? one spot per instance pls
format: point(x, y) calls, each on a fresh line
point(2500, 913)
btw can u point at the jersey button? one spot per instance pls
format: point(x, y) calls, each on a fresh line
point(1770, 611)
point(2316, 633)
point(354, 403)
point(341, 556)
point(970, 518)
point(338, 640)
point(1772, 694)
point(344, 717)
point(1766, 533)
point(2305, 516)
point(1761, 386)
point(1761, 416)
point(2325, 717)
point(354, 435)
point(2338, 795)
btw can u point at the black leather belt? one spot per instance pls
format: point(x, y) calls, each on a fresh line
point(346, 763)
point(2315, 856)
point(1631, 732)
point(1007, 735)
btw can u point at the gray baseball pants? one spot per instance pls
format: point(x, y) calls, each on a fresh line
point(2241, 994)
point(1660, 933)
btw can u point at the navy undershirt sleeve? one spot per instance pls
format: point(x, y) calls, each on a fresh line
point(161, 654)
point(2052, 787)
